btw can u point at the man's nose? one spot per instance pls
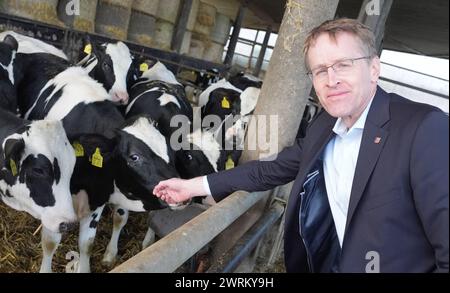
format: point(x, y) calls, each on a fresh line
point(332, 78)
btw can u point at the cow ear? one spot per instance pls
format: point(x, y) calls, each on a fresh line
point(12, 42)
point(14, 149)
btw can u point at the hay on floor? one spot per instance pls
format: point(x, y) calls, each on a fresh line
point(20, 250)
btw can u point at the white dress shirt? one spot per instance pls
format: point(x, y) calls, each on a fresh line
point(340, 157)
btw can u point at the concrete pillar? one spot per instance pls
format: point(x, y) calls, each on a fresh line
point(286, 86)
point(284, 93)
point(260, 60)
point(374, 14)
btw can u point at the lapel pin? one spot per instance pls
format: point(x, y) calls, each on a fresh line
point(377, 140)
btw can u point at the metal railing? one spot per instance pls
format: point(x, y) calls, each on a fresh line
point(169, 253)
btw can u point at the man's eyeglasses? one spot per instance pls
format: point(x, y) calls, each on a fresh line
point(340, 67)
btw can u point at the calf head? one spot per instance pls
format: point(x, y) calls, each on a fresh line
point(199, 157)
point(35, 173)
point(242, 81)
point(143, 160)
point(114, 69)
point(222, 102)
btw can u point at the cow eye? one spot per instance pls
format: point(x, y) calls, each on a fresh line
point(38, 171)
point(189, 156)
point(134, 158)
point(106, 65)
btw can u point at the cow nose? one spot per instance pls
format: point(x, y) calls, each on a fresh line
point(67, 227)
point(121, 97)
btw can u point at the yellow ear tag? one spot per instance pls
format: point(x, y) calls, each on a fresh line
point(143, 67)
point(229, 164)
point(225, 103)
point(79, 150)
point(97, 159)
point(13, 166)
point(88, 49)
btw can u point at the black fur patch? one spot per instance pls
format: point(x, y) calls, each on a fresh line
point(38, 175)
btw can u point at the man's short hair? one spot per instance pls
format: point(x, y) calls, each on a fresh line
point(340, 25)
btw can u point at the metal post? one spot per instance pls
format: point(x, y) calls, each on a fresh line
point(234, 37)
point(231, 259)
point(180, 28)
point(262, 53)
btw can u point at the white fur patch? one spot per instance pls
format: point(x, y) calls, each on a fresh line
point(121, 60)
point(49, 139)
point(29, 45)
point(249, 98)
point(166, 99)
point(118, 198)
point(206, 142)
point(145, 131)
point(79, 87)
point(223, 83)
point(160, 72)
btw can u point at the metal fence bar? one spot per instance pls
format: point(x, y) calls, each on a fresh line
point(169, 253)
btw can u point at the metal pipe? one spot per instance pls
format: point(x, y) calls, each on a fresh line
point(262, 53)
point(230, 260)
point(167, 254)
point(235, 35)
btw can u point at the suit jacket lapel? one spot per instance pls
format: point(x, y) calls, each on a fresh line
point(373, 139)
point(311, 155)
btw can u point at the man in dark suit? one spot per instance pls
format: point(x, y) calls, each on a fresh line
point(371, 175)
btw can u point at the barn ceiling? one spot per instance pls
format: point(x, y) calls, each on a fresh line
point(419, 27)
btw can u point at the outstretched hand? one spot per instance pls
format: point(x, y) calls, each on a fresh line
point(174, 190)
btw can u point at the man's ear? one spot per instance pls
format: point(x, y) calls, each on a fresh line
point(12, 42)
point(14, 149)
point(375, 68)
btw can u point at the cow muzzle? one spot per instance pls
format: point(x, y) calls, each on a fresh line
point(67, 227)
point(120, 98)
point(180, 205)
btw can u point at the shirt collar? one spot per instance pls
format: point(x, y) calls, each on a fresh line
point(341, 129)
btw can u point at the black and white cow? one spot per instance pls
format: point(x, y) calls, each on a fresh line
point(36, 164)
point(29, 45)
point(162, 97)
point(154, 95)
point(243, 81)
point(93, 123)
point(159, 95)
point(233, 106)
point(8, 98)
point(134, 162)
point(113, 66)
point(205, 79)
